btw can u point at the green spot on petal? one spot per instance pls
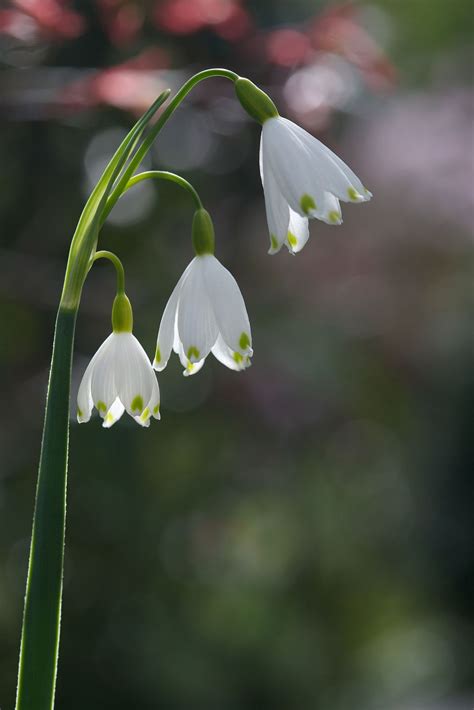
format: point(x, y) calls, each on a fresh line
point(145, 414)
point(307, 204)
point(101, 406)
point(238, 358)
point(273, 241)
point(292, 240)
point(137, 404)
point(79, 413)
point(334, 217)
point(193, 352)
point(109, 418)
point(352, 194)
point(244, 341)
point(156, 409)
point(158, 355)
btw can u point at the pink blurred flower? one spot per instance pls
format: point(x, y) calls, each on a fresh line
point(52, 17)
point(287, 47)
point(131, 86)
point(227, 17)
point(338, 31)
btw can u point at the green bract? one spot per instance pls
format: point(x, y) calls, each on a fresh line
point(255, 101)
point(122, 314)
point(203, 233)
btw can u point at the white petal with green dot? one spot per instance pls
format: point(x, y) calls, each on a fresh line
point(292, 167)
point(228, 306)
point(119, 378)
point(339, 179)
point(207, 313)
point(298, 232)
point(196, 324)
point(85, 403)
point(276, 207)
point(230, 358)
point(301, 173)
point(166, 333)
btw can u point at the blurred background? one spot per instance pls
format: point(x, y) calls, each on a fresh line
point(298, 537)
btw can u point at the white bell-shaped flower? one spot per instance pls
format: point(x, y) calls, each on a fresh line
point(301, 179)
point(120, 376)
point(205, 313)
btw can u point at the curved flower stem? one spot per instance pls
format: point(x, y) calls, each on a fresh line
point(156, 175)
point(169, 110)
point(118, 267)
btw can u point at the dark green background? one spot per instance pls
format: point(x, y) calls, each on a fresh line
point(299, 536)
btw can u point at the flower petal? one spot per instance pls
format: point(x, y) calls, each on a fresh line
point(229, 358)
point(228, 306)
point(276, 206)
point(84, 396)
point(114, 414)
point(329, 169)
point(298, 232)
point(292, 166)
point(103, 386)
point(166, 331)
point(153, 407)
point(134, 374)
point(197, 327)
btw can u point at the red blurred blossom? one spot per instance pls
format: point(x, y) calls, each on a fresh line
point(122, 21)
point(53, 18)
point(227, 17)
point(237, 25)
point(287, 47)
point(132, 86)
point(18, 25)
point(338, 31)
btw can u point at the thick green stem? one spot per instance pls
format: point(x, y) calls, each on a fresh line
point(42, 615)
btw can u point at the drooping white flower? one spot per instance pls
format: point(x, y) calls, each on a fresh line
point(119, 378)
point(205, 313)
point(301, 179)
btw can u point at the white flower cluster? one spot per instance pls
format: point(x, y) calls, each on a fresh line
point(302, 179)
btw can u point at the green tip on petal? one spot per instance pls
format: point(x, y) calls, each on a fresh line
point(79, 413)
point(109, 418)
point(335, 217)
point(137, 404)
point(238, 358)
point(274, 242)
point(353, 194)
point(156, 409)
point(292, 240)
point(158, 355)
point(193, 352)
point(145, 415)
point(244, 341)
point(101, 406)
point(307, 203)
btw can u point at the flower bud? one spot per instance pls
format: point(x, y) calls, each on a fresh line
point(203, 233)
point(255, 101)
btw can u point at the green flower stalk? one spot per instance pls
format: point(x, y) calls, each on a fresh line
point(42, 612)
